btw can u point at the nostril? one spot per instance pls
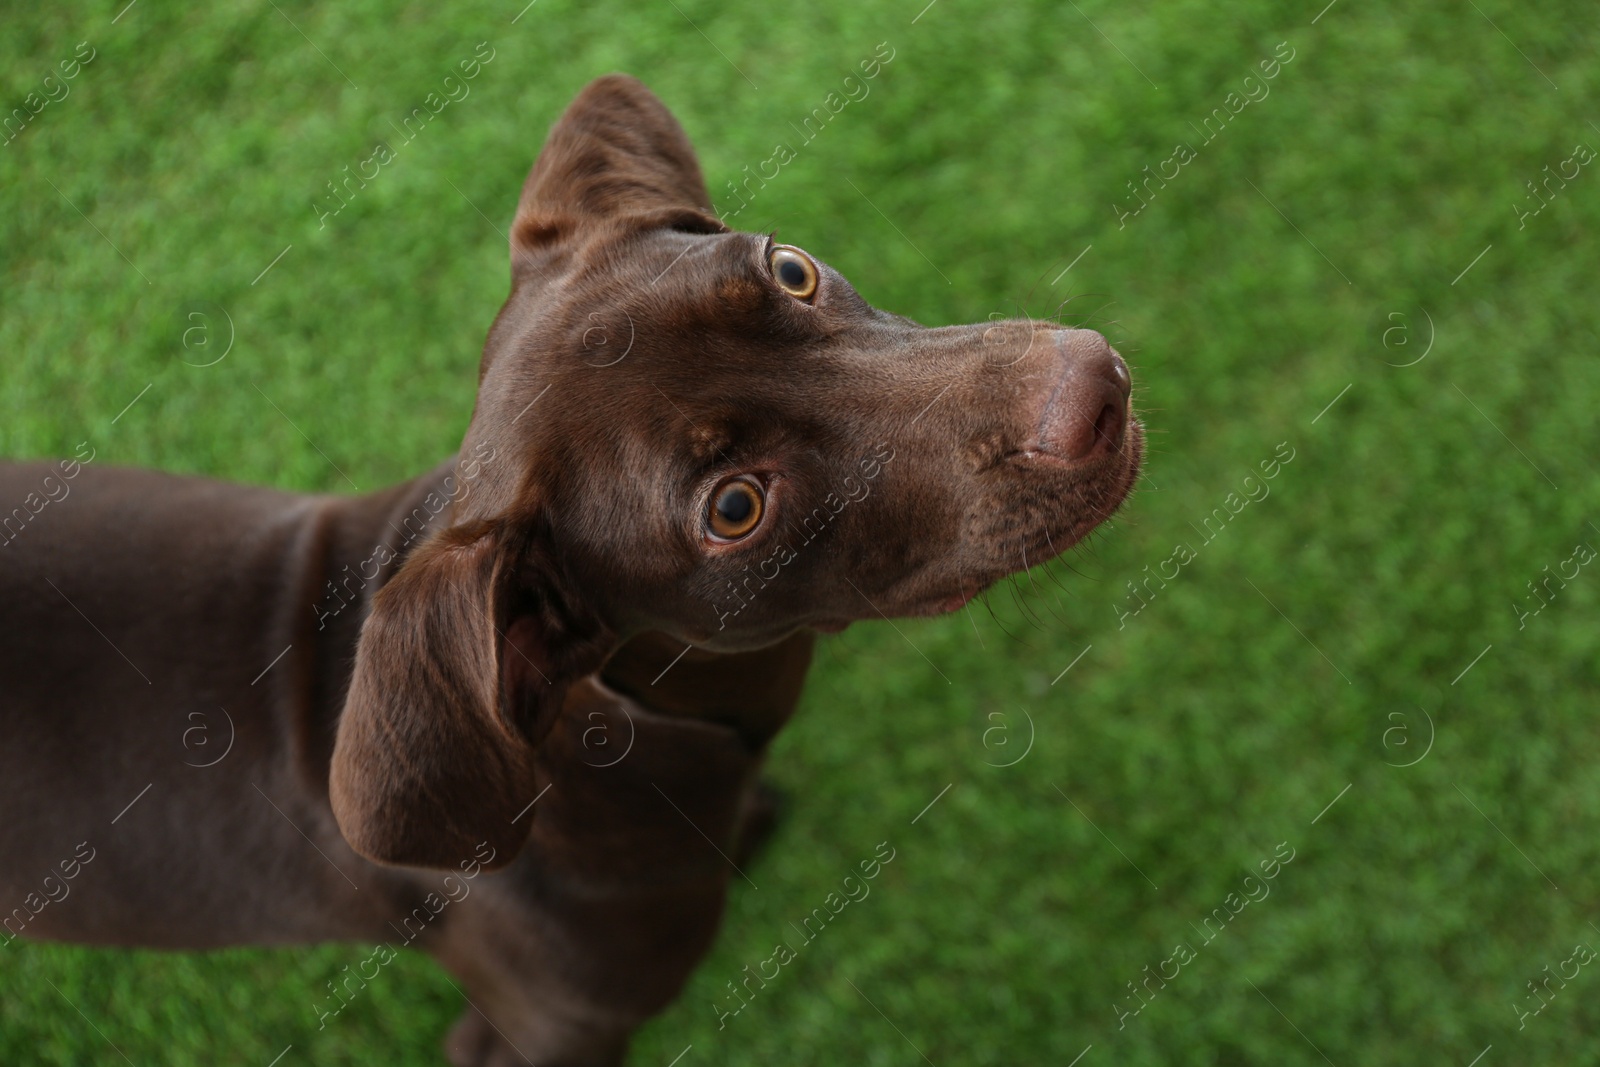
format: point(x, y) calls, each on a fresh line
point(1085, 417)
point(1078, 427)
point(1108, 427)
point(1074, 430)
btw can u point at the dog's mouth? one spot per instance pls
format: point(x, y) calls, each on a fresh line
point(1089, 503)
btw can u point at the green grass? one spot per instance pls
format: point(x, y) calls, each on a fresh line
point(1216, 724)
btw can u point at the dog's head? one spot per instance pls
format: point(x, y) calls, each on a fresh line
point(706, 433)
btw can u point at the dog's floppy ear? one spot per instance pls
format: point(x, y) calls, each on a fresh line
point(460, 670)
point(616, 150)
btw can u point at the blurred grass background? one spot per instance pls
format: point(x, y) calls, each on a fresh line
point(1326, 236)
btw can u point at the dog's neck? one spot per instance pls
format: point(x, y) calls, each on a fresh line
point(366, 539)
point(752, 692)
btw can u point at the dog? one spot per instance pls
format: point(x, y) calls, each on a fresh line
point(512, 712)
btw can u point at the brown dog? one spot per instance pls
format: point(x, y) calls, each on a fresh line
point(512, 712)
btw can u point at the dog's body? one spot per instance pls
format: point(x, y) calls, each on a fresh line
point(231, 839)
point(222, 704)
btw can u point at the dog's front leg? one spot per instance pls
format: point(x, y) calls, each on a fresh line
point(636, 819)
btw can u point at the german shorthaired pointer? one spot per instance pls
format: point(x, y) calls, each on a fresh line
point(512, 712)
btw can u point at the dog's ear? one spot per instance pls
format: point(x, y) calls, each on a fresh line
point(616, 150)
point(460, 670)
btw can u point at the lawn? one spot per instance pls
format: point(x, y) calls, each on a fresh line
point(1316, 239)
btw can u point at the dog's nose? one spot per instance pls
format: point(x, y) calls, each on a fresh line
point(1086, 416)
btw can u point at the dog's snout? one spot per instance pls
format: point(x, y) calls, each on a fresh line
point(1086, 416)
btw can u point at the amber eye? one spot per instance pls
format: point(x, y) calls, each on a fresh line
point(735, 508)
point(794, 271)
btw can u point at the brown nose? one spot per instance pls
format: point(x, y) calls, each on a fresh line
point(1085, 417)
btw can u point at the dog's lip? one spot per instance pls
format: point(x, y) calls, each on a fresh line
point(945, 603)
point(1050, 546)
point(1128, 458)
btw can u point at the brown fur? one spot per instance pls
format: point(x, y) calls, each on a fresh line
point(644, 354)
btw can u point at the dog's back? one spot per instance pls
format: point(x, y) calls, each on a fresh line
point(161, 674)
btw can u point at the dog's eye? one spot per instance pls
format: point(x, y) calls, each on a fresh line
point(736, 508)
point(794, 271)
